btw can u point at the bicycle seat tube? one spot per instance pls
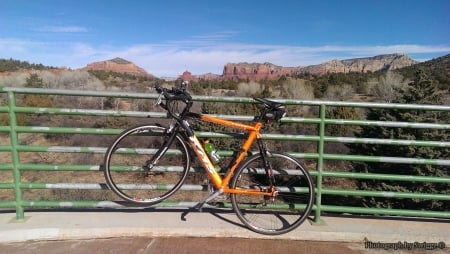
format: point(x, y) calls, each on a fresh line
point(253, 134)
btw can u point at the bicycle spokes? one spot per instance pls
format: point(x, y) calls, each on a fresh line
point(290, 200)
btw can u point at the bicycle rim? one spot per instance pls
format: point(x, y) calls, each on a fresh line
point(126, 165)
point(281, 213)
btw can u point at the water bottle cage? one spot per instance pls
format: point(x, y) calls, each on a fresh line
point(214, 156)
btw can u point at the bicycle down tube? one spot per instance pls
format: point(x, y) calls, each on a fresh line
point(219, 182)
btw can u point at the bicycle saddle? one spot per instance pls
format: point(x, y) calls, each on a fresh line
point(269, 103)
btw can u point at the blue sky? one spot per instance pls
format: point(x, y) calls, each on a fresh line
point(167, 37)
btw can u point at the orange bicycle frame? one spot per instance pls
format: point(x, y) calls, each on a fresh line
point(219, 182)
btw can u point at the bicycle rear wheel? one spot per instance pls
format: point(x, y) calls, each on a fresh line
point(281, 213)
point(142, 166)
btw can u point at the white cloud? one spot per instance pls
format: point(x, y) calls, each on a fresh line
point(201, 54)
point(11, 45)
point(63, 29)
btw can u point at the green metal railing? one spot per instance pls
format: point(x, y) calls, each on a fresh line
point(20, 155)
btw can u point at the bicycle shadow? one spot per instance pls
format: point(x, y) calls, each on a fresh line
point(217, 210)
point(220, 213)
point(214, 211)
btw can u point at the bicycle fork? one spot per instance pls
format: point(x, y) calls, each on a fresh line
point(149, 164)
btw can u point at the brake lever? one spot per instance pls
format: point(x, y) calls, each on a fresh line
point(158, 101)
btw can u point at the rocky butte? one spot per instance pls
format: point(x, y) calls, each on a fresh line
point(117, 65)
point(368, 64)
point(254, 71)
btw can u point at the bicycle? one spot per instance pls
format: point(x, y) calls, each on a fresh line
point(270, 192)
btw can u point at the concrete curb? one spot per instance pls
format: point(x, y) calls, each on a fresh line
point(71, 225)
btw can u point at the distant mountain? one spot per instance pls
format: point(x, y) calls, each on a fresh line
point(439, 65)
point(258, 71)
point(372, 64)
point(208, 76)
point(438, 69)
point(117, 65)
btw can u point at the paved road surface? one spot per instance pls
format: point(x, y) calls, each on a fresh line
point(178, 245)
point(143, 245)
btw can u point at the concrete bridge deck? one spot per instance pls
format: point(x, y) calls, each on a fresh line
point(67, 226)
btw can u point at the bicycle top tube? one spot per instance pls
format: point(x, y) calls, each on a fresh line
point(220, 121)
point(272, 111)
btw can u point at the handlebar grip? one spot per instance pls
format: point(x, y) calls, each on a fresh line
point(174, 94)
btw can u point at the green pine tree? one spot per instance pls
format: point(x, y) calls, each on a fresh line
point(34, 81)
point(421, 91)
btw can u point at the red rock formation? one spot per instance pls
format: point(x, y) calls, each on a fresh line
point(187, 76)
point(254, 71)
point(117, 65)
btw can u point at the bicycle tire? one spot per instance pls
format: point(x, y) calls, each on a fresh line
point(273, 215)
point(126, 170)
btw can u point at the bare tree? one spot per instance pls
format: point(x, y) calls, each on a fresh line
point(248, 89)
point(383, 89)
point(297, 89)
point(14, 79)
point(339, 92)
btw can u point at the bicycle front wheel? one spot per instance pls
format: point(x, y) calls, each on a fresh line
point(278, 214)
point(146, 165)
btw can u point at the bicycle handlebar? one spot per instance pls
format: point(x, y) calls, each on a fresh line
point(174, 94)
point(272, 111)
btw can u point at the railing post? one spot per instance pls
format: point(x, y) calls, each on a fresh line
point(15, 156)
point(320, 151)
